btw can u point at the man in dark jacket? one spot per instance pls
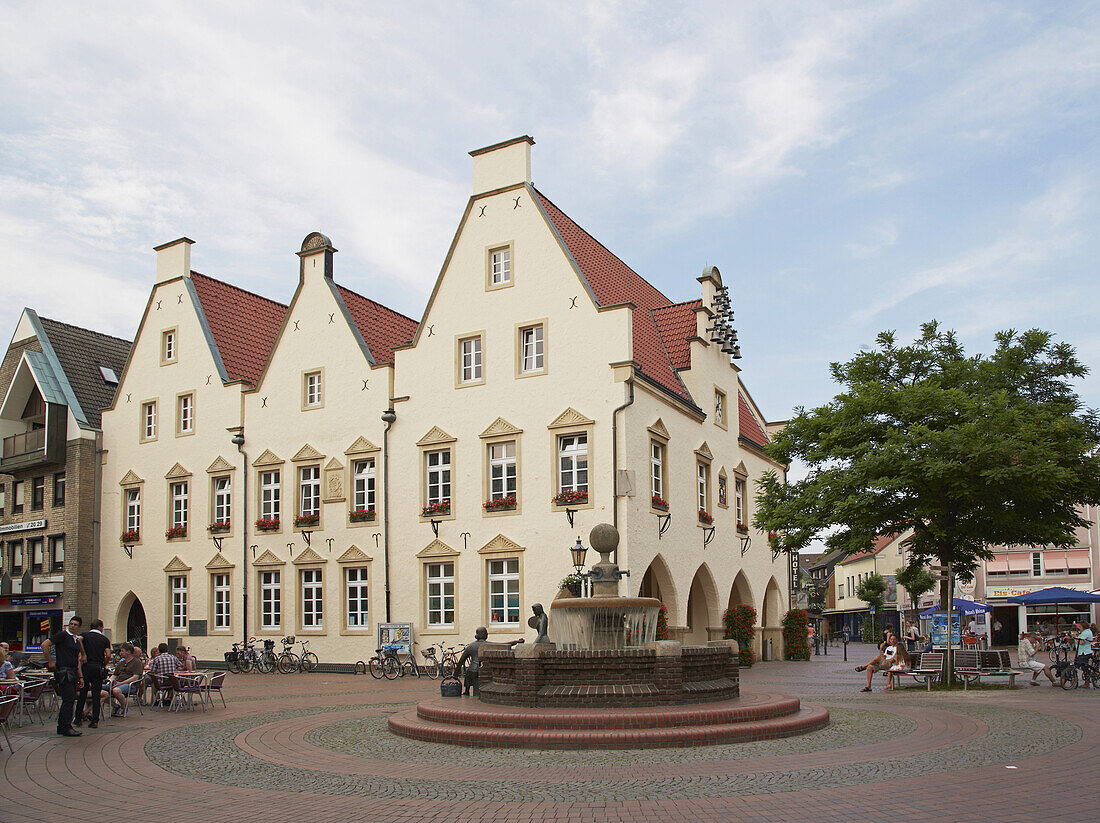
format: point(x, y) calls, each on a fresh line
point(70, 654)
point(97, 648)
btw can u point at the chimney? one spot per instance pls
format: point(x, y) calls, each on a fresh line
point(174, 260)
point(316, 255)
point(502, 165)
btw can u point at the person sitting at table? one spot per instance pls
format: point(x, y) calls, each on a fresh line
point(7, 674)
point(883, 662)
point(163, 664)
point(186, 661)
point(127, 679)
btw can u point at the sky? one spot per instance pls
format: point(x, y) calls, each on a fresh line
point(850, 167)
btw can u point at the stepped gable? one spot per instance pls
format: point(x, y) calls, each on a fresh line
point(81, 352)
point(748, 426)
point(244, 325)
point(611, 282)
point(382, 328)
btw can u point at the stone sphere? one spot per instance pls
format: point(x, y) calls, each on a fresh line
point(604, 538)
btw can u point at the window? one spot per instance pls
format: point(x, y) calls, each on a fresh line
point(702, 475)
point(269, 494)
point(309, 491)
point(1037, 564)
point(441, 594)
point(312, 391)
point(356, 597)
point(573, 463)
point(532, 354)
point(312, 606)
point(500, 267)
point(15, 550)
point(36, 550)
point(108, 375)
point(223, 499)
point(178, 587)
point(168, 347)
point(504, 592)
point(739, 499)
point(38, 493)
point(149, 420)
point(179, 504)
point(57, 553)
point(270, 600)
point(185, 414)
point(723, 490)
point(720, 408)
point(59, 489)
point(657, 468)
point(470, 360)
point(363, 484)
point(219, 583)
point(438, 464)
point(17, 492)
point(3, 499)
point(502, 470)
point(133, 510)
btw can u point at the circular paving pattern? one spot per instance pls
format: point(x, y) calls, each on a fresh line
point(969, 734)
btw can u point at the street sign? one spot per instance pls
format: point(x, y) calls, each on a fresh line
point(871, 609)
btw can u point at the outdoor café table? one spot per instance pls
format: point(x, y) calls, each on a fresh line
point(200, 678)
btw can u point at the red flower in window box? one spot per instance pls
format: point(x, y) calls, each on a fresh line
point(659, 502)
point(436, 509)
point(130, 536)
point(267, 524)
point(569, 497)
point(176, 531)
point(705, 517)
point(306, 520)
point(361, 515)
point(219, 526)
point(500, 504)
point(742, 528)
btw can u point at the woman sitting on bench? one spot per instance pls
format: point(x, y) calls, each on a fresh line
point(903, 662)
point(883, 662)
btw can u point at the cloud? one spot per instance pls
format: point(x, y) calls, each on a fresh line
point(878, 238)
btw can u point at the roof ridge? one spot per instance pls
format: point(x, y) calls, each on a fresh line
point(88, 331)
point(698, 300)
point(238, 288)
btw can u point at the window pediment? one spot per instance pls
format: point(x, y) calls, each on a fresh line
point(130, 479)
point(658, 430)
point(501, 428)
point(177, 472)
point(219, 561)
point(437, 548)
point(268, 458)
point(361, 446)
point(307, 454)
point(268, 558)
point(435, 437)
point(308, 558)
point(570, 418)
point(354, 554)
point(176, 565)
point(704, 452)
point(219, 466)
point(500, 545)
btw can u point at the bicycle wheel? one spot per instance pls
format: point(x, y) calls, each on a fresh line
point(411, 669)
point(288, 662)
point(1069, 679)
point(447, 667)
point(265, 664)
point(431, 667)
point(309, 662)
point(1052, 653)
point(231, 663)
point(245, 664)
point(377, 671)
point(360, 667)
point(391, 668)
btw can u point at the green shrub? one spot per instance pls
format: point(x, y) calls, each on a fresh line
point(740, 625)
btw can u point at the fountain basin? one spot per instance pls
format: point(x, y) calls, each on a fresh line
point(604, 622)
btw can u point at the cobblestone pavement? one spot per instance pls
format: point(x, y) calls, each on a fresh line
point(315, 748)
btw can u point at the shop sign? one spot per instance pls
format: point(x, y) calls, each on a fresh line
point(1016, 591)
point(29, 599)
point(26, 525)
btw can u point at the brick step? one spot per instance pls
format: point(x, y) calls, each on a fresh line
point(409, 724)
point(450, 711)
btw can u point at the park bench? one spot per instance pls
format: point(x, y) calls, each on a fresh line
point(972, 666)
point(927, 666)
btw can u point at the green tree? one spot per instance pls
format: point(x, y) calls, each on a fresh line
point(967, 451)
point(872, 591)
point(916, 580)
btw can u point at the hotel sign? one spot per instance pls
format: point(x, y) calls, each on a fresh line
point(26, 525)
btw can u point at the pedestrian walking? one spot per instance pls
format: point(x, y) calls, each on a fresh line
point(97, 649)
point(66, 669)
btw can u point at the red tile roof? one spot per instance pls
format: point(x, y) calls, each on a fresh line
point(243, 324)
point(881, 542)
point(381, 328)
point(676, 323)
point(611, 281)
point(747, 424)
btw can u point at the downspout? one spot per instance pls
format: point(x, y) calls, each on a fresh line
point(97, 524)
point(615, 460)
point(238, 441)
point(388, 417)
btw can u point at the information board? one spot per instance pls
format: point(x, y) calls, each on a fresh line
point(399, 633)
point(939, 629)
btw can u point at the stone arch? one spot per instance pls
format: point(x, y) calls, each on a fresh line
point(657, 582)
point(741, 591)
point(773, 605)
point(130, 621)
point(702, 607)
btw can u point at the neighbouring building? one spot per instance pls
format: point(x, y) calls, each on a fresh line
point(321, 468)
point(55, 380)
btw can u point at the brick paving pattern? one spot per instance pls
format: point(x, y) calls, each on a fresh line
point(316, 748)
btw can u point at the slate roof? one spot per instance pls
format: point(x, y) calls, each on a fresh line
point(382, 328)
point(81, 352)
point(244, 325)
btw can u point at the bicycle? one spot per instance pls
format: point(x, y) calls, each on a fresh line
point(288, 660)
point(442, 665)
point(309, 660)
point(410, 667)
point(385, 662)
point(265, 660)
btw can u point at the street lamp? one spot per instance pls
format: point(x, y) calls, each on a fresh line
point(578, 552)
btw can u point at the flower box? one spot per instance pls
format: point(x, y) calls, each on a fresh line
point(440, 508)
point(659, 503)
point(570, 498)
point(773, 537)
point(361, 515)
point(742, 528)
point(267, 524)
point(500, 504)
point(219, 526)
point(130, 537)
point(176, 531)
point(705, 517)
point(303, 520)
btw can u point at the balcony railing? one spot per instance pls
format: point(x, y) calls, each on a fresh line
point(25, 443)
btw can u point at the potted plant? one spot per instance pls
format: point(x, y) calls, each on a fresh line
point(500, 504)
point(437, 509)
point(572, 583)
point(176, 531)
point(303, 520)
point(361, 515)
point(219, 526)
point(659, 503)
point(267, 524)
point(740, 624)
point(570, 497)
point(129, 537)
point(742, 528)
point(705, 517)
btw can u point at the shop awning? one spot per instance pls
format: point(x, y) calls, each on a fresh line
point(1019, 561)
point(1054, 594)
point(1054, 561)
point(966, 607)
point(998, 565)
point(1079, 558)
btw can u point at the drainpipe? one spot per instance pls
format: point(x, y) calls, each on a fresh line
point(238, 441)
point(97, 526)
point(615, 460)
point(388, 417)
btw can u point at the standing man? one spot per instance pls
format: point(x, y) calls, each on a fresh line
point(70, 654)
point(97, 649)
